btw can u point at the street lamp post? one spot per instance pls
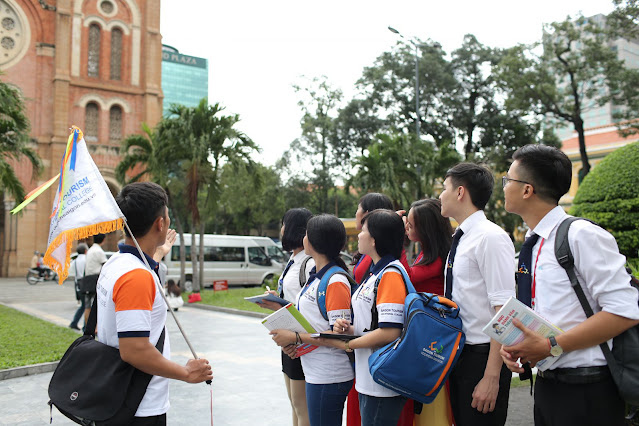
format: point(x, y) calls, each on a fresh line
point(417, 121)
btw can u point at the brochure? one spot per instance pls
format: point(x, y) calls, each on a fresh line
point(289, 318)
point(502, 329)
point(267, 296)
point(345, 337)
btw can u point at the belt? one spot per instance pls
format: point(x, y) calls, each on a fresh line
point(576, 376)
point(482, 348)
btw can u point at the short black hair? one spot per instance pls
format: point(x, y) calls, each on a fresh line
point(375, 200)
point(142, 203)
point(82, 248)
point(548, 170)
point(387, 229)
point(477, 179)
point(294, 221)
point(327, 234)
point(433, 230)
point(98, 238)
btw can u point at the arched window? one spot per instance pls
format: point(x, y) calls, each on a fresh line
point(115, 123)
point(93, 65)
point(116, 54)
point(91, 120)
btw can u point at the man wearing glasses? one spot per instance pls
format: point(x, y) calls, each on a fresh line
point(577, 389)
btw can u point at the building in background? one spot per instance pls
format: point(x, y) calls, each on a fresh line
point(185, 79)
point(91, 63)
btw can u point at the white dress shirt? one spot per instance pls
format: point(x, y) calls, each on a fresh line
point(95, 259)
point(483, 274)
point(600, 269)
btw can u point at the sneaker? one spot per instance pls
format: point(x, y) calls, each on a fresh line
point(75, 327)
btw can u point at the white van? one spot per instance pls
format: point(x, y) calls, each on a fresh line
point(240, 260)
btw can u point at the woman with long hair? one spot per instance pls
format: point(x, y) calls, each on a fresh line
point(291, 281)
point(368, 203)
point(328, 372)
point(382, 239)
point(426, 225)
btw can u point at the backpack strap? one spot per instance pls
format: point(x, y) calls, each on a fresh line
point(407, 283)
point(567, 261)
point(303, 276)
point(323, 287)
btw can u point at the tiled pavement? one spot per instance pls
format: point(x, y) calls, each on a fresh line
point(247, 389)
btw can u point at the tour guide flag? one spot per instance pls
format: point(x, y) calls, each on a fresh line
point(83, 205)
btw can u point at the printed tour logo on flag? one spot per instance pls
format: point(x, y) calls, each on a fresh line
point(83, 205)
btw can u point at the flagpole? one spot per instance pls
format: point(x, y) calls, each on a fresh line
point(146, 262)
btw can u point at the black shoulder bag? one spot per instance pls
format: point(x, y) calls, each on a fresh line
point(93, 386)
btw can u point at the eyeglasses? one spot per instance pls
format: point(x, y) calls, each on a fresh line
point(504, 181)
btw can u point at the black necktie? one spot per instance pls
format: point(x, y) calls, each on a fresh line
point(524, 270)
point(280, 283)
point(449, 265)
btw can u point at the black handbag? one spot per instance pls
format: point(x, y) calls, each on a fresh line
point(93, 386)
point(88, 283)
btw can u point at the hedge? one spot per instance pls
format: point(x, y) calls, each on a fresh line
point(609, 195)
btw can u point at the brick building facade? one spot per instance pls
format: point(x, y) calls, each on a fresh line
point(92, 63)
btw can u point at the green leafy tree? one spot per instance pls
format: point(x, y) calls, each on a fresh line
point(319, 102)
point(609, 195)
point(572, 75)
point(14, 148)
point(388, 86)
point(202, 140)
point(250, 198)
point(141, 159)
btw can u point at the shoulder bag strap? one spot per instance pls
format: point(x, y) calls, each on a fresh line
point(303, 276)
point(567, 261)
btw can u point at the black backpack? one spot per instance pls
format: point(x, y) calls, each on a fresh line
point(623, 360)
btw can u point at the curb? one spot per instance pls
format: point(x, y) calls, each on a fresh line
point(227, 310)
point(28, 370)
point(47, 367)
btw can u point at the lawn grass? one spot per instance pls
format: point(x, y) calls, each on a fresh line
point(26, 340)
point(231, 298)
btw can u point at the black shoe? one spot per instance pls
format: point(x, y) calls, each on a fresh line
point(75, 327)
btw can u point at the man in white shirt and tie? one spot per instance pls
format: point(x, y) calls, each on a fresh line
point(577, 388)
point(480, 278)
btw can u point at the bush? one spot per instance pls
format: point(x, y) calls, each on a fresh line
point(609, 195)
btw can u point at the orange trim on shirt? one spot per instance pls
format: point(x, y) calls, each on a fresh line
point(391, 288)
point(338, 296)
point(134, 290)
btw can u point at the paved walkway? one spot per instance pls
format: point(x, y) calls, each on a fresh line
point(247, 389)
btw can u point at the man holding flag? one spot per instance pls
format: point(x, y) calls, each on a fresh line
point(131, 312)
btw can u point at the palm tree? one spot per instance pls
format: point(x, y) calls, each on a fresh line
point(141, 158)
point(203, 141)
point(14, 138)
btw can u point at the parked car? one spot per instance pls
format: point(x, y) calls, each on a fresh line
point(240, 260)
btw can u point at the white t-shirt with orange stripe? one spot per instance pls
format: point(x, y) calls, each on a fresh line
point(129, 305)
point(326, 365)
point(391, 294)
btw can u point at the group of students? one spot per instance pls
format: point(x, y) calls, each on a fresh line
point(475, 267)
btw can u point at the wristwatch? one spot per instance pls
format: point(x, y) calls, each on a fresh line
point(555, 349)
point(348, 349)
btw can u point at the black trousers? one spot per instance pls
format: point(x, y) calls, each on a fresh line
point(149, 421)
point(468, 371)
point(592, 404)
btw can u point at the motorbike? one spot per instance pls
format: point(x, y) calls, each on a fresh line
point(34, 276)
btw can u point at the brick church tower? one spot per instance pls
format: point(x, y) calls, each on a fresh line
point(91, 63)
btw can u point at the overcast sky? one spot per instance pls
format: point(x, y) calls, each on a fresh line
point(257, 49)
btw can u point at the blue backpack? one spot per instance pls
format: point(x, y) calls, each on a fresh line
point(418, 362)
point(320, 296)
